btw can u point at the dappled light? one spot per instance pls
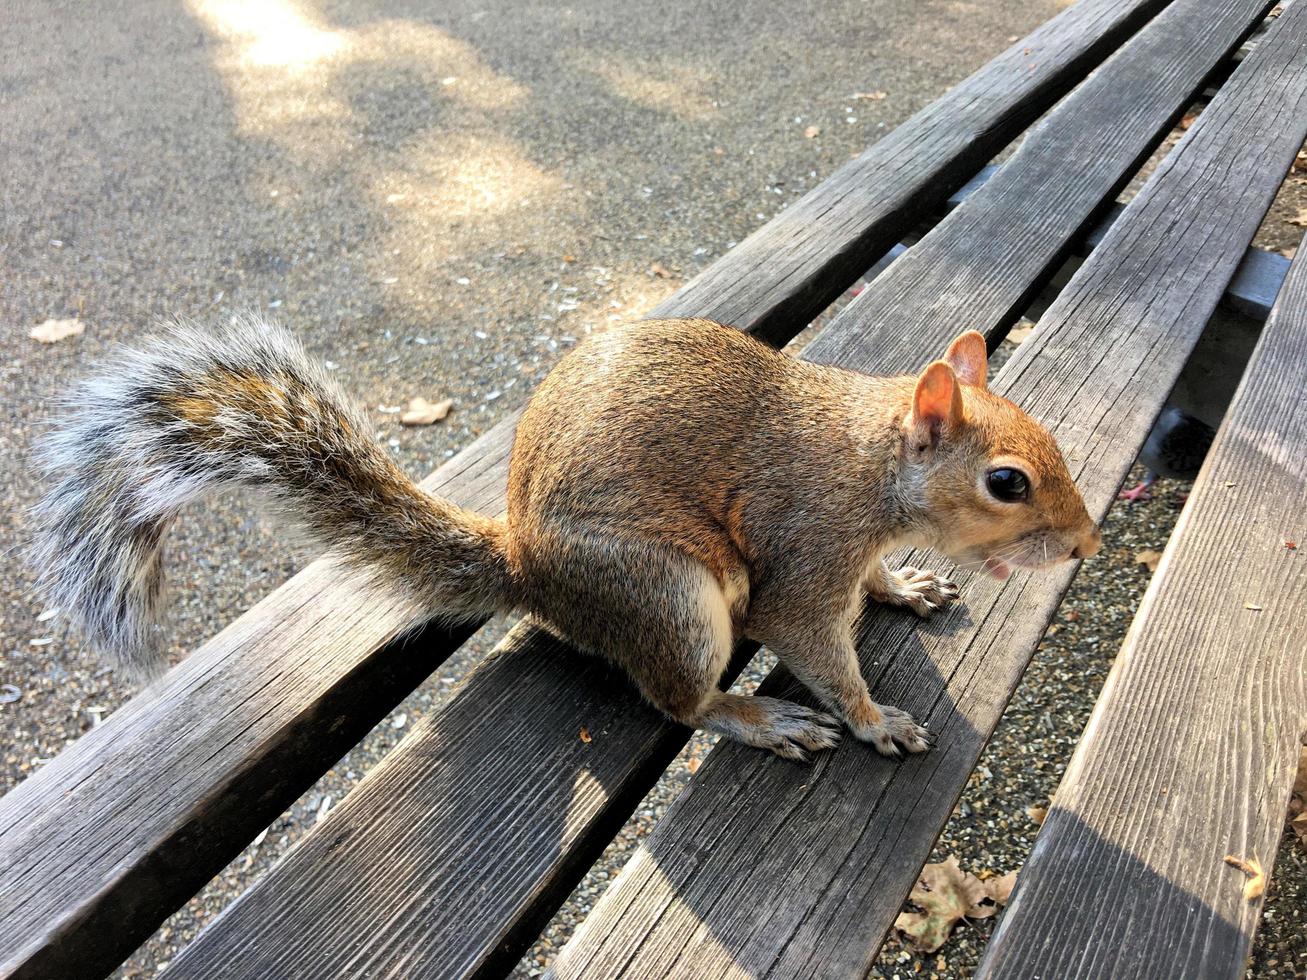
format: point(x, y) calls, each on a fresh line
point(588, 793)
point(676, 89)
point(270, 33)
point(695, 943)
point(465, 175)
point(293, 77)
point(382, 224)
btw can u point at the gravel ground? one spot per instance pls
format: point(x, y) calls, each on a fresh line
point(440, 199)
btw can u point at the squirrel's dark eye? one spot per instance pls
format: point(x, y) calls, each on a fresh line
point(1008, 485)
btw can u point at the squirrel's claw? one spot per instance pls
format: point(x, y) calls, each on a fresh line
point(794, 731)
point(897, 731)
point(921, 590)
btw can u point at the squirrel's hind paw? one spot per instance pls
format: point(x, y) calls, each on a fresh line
point(788, 729)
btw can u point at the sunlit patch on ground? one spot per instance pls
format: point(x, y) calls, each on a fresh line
point(676, 89)
point(270, 33)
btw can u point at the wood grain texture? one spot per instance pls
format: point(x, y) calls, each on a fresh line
point(766, 869)
point(1193, 746)
point(1251, 292)
point(1028, 217)
point(117, 832)
point(446, 860)
point(535, 866)
point(1255, 285)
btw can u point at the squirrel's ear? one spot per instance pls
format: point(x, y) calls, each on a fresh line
point(937, 402)
point(968, 357)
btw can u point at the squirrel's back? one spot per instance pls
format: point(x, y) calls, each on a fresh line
point(685, 431)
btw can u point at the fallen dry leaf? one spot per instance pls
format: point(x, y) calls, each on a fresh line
point(1019, 334)
point(1256, 883)
point(1148, 557)
point(1037, 813)
point(1000, 888)
point(693, 766)
point(946, 895)
point(569, 259)
point(55, 330)
point(812, 132)
point(1299, 219)
point(1189, 119)
point(422, 412)
point(585, 735)
point(1299, 826)
point(1290, 545)
point(870, 96)
point(660, 270)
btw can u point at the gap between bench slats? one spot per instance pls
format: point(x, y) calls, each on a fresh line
point(1251, 292)
point(766, 869)
point(410, 924)
point(108, 839)
point(1193, 746)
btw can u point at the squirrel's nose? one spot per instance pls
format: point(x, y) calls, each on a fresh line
point(1088, 546)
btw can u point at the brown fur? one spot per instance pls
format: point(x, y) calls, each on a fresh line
point(675, 485)
point(664, 447)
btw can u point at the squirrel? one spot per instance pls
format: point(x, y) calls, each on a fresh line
point(674, 485)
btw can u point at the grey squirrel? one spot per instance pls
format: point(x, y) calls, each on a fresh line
point(674, 485)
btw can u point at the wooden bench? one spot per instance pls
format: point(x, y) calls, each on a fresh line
point(448, 857)
point(1199, 727)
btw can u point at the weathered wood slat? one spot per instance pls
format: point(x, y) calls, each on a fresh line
point(118, 830)
point(1251, 292)
point(109, 838)
point(416, 930)
point(1078, 157)
point(1198, 727)
point(767, 869)
point(447, 859)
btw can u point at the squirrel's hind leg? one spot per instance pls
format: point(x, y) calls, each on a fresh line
point(664, 617)
point(681, 667)
point(788, 729)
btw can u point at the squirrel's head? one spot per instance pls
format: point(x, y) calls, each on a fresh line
point(997, 491)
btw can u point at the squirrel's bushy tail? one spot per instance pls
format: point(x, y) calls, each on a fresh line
point(244, 406)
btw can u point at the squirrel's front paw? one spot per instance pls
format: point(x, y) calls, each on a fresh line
point(920, 589)
point(896, 728)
